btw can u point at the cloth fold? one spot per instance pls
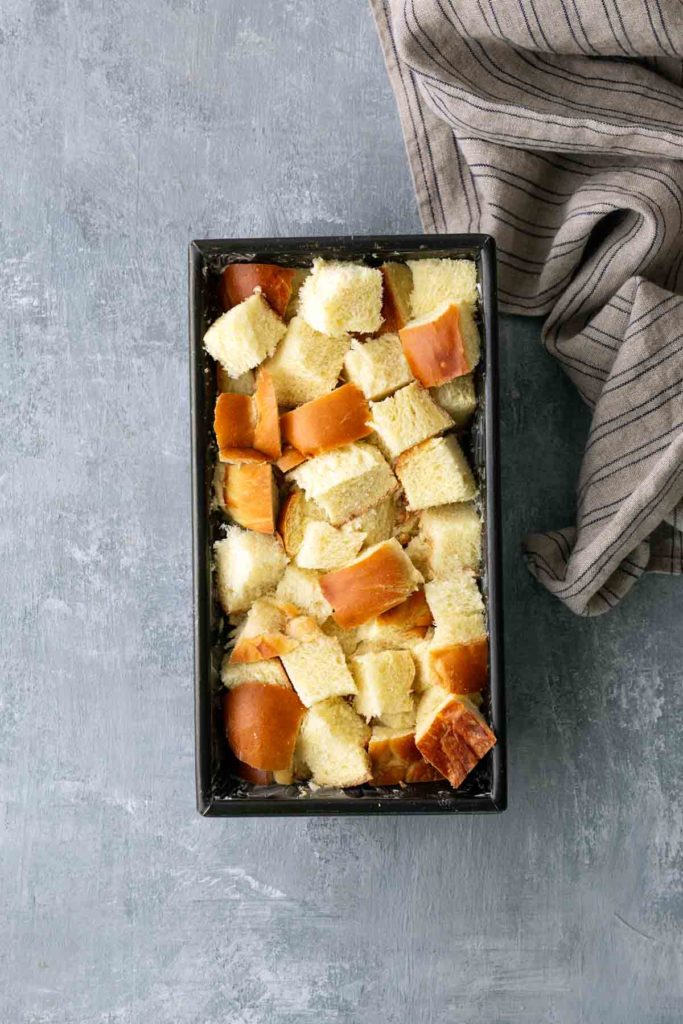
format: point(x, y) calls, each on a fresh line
point(557, 127)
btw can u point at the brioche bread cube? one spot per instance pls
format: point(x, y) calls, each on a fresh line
point(289, 459)
point(262, 635)
point(296, 513)
point(263, 724)
point(458, 595)
point(242, 385)
point(452, 535)
point(341, 298)
point(400, 628)
point(248, 565)
point(250, 496)
point(301, 587)
point(244, 336)
point(300, 275)
point(335, 420)
point(384, 680)
point(248, 428)
point(240, 280)
point(424, 670)
point(408, 417)
point(442, 344)
point(306, 364)
point(435, 472)
point(462, 667)
point(394, 758)
point(348, 638)
point(347, 481)
point(451, 734)
point(398, 284)
point(377, 523)
point(332, 745)
point(317, 669)
point(401, 719)
point(436, 281)
point(418, 553)
point(379, 579)
point(458, 397)
point(328, 547)
point(378, 366)
point(235, 673)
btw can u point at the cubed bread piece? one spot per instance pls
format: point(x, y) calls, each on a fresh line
point(250, 496)
point(442, 345)
point(347, 481)
point(235, 673)
point(348, 638)
point(262, 635)
point(458, 397)
point(398, 285)
point(301, 587)
point(462, 667)
point(332, 745)
point(296, 513)
point(395, 758)
point(384, 680)
point(247, 427)
point(378, 366)
point(401, 719)
point(289, 459)
point(451, 734)
point(307, 363)
point(300, 275)
point(248, 565)
point(458, 595)
point(263, 724)
point(459, 628)
point(382, 577)
point(244, 336)
point(342, 297)
point(242, 385)
point(240, 280)
point(452, 534)
point(407, 418)
point(435, 472)
point(436, 281)
point(377, 523)
point(337, 419)
point(401, 627)
point(318, 670)
point(328, 547)
point(418, 553)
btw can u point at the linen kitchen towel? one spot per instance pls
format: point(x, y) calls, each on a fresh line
point(557, 127)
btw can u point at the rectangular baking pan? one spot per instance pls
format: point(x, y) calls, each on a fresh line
point(219, 793)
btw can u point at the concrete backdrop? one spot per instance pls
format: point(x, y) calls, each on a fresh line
point(128, 128)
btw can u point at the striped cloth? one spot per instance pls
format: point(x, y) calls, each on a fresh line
point(557, 127)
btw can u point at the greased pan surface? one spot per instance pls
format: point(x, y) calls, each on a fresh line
point(219, 793)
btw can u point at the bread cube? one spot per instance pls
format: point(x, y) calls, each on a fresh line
point(377, 580)
point(347, 481)
point(458, 595)
point(348, 638)
point(318, 670)
point(263, 634)
point(462, 667)
point(435, 472)
point(452, 534)
point(307, 363)
point(408, 417)
point(235, 673)
point(424, 670)
point(250, 496)
point(248, 565)
point(418, 553)
point(242, 385)
point(395, 758)
point(247, 427)
point(337, 419)
point(436, 281)
point(342, 297)
point(442, 344)
point(384, 681)
point(328, 547)
point(399, 628)
point(398, 285)
point(240, 280)
point(377, 523)
point(244, 336)
point(301, 587)
point(401, 719)
point(263, 724)
point(296, 513)
point(458, 397)
point(378, 366)
point(451, 734)
point(332, 745)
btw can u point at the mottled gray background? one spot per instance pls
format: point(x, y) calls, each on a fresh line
point(128, 128)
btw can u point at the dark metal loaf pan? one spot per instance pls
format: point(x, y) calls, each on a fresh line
point(219, 792)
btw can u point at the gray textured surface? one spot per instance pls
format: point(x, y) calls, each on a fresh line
point(127, 129)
